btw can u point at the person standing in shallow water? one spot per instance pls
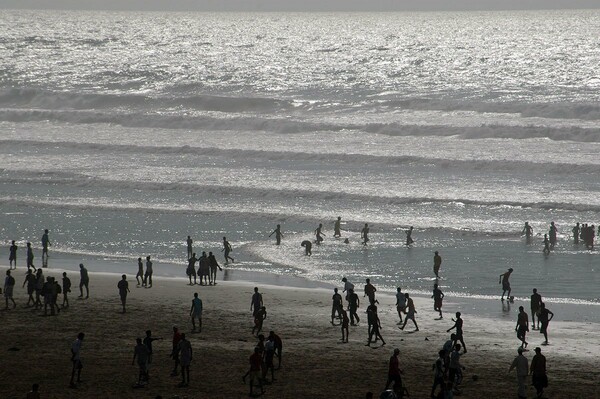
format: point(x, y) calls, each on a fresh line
point(546, 245)
point(30, 257)
point(337, 227)
point(576, 231)
point(409, 240)
point(319, 234)
point(45, 244)
point(438, 297)
point(505, 283)
point(278, 234)
point(364, 234)
point(437, 263)
point(552, 234)
point(527, 232)
point(189, 243)
point(227, 249)
point(307, 247)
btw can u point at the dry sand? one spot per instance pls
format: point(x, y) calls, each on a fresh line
point(315, 363)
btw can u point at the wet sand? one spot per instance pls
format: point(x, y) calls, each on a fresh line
point(315, 363)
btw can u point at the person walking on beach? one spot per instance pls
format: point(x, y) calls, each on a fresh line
point(30, 280)
point(9, 285)
point(257, 302)
point(521, 364)
point(307, 247)
point(348, 286)
point(39, 285)
point(370, 292)
point(45, 244)
point(336, 307)
point(278, 346)
point(196, 313)
point(539, 379)
point(344, 323)
point(189, 242)
point(337, 227)
point(214, 265)
point(255, 361)
point(458, 325)
point(141, 353)
point(278, 234)
point(544, 319)
point(536, 301)
point(522, 326)
point(174, 351)
point(149, 272)
point(364, 234)
point(184, 348)
point(260, 317)
point(437, 263)
point(269, 356)
point(409, 240)
point(123, 287)
point(438, 297)
point(139, 277)
point(12, 255)
point(394, 372)
point(319, 234)
point(76, 359)
point(375, 326)
point(400, 303)
point(66, 288)
point(227, 249)
point(353, 304)
point(410, 315)
point(84, 281)
point(30, 257)
point(527, 232)
point(505, 283)
point(438, 372)
point(191, 269)
point(546, 245)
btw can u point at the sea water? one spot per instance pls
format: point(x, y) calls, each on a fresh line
point(123, 133)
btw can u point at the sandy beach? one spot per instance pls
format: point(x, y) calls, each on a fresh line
point(315, 363)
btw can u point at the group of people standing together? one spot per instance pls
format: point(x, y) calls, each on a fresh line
point(207, 264)
point(582, 233)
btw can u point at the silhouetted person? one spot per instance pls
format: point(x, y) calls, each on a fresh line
point(522, 366)
point(539, 379)
point(269, 355)
point(191, 269)
point(12, 254)
point(257, 302)
point(123, 287)
point(347, 286)
point(546, 245)
point(66, 288)
point(196, 313)
point(30, 256)
point(204, 269)
point(394, 371)
point(148, 343)
point(438, 370)
point(139, 277)
point(319, 234)
point(437, 263)
point(175, 351)
point(185, 354)
point(141, 353)
point(544, 319)
point(307, 247)
point(409, 239)
point(552, 234)
point(400, 303)
point(527, 232)
point(149, 272)
point(30, 280)
point(353, 304)
point(278, 346)
point(576, 231)
point(337, 229)
point(336, 306)
point(214, 265)
point(255, 374)
point(189, 242)
point(45, 244)
point(76, 359)
point(344, 324)
point(364, 234)
point(278, 234)
point(522, 326)
point(505, 283)
point(375, 326)
point(438, 297)
point(84, 281)
point(227, 249)
point(39, 285)
point(458, 325)
point(410, 314)
point(259, 318)
point(536, 302)
point(370, 292)
point(9, 285)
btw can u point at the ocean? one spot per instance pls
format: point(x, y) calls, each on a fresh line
point(123, 133)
